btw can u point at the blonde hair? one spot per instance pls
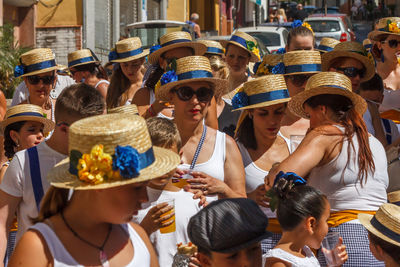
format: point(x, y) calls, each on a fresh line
point(282, 13)
point(219, 67)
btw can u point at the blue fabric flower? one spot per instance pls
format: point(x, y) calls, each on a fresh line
point(281, 51)
point(255, 67)
point(126, 160)
point(240, 100)
point(296, 23)
point(169, 76)
point(113, 55)
point(18, 71)
point(154, 48)
point(290, 176)
point(279, 68)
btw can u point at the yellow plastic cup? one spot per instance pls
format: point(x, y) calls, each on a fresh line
point(181, 182)
point(172, 227)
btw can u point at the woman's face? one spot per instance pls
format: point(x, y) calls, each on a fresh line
point(350, 63)
point(389, 47)
point(30, 134)
point(237, 59)
point(132, 68)
point(320, 229)
point(40, 85)
point(175, 53)
point(301, 43)
point(267, 120)
point(78, 76)
point(297, 83)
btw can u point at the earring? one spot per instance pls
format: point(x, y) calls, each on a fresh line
point(382, 57)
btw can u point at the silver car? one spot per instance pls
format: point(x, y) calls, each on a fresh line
point(332, 27)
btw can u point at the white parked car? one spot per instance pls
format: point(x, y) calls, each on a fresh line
point(273, 37)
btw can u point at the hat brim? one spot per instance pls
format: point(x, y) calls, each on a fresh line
point(301, 72)
point(127, 59)
point(247, 244)
point(253, 57)
point(264, 104)
point(48, 124)
point(199, 50)
point(296, 104)
point(163, 92)
point(165, 161)
point(84, 63)
point(374, 34)
point(39, 71)
point(368, 65)
point(365, 220)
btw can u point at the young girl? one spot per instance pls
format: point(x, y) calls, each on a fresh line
point(302, 213)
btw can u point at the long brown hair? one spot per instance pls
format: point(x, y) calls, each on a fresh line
point(54, 201)
point(119, 84)
point(345, 114)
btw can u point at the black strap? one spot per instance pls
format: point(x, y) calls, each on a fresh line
point(36, 178)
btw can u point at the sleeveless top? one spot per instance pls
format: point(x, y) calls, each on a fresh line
point(152, 99)
point(339, 182)
point(100, 82)
point(62, 258)
point(309, 261)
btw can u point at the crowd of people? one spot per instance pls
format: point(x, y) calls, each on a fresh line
point(185, 156)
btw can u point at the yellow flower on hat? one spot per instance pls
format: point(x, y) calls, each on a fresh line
point(308, 26)
point(393, 27)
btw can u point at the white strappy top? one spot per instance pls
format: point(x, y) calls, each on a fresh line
point(100, 82)
point(152, 99)
point(309, 261)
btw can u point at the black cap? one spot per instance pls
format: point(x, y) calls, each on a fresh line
point(228, 225)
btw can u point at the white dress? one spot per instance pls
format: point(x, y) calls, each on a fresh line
point(308, 261)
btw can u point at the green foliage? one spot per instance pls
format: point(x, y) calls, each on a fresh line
point(10, 53)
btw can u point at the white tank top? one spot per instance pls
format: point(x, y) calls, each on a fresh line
point(309, 261)
point(339, 183)
point(100, 82)
point(152, 99)
point(62, 258)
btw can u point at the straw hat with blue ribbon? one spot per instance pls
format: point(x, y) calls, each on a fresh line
point(188, 69)
point(327, 44)
point(111, 150)
point(125, 109)
point(81, 57)
point(265, 67)
point(299, 62)
point(26, 112)
point(353, 50)
point(367, 44)
point(174, 40)
point(36, 61)
point(213, 47)
point(331, 83)
point(245, 41)
point(390, 25)
point(385, 224)
point(394, 197)
point(127, 50)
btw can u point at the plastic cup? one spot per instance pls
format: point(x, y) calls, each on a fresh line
point(295, 141)
point(328, 248)
point(181, 182)
point(172, 227)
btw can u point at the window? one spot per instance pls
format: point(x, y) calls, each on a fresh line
point(324, 25)
point(268, 38)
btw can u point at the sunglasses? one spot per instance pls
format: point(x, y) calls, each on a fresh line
point(36, 79)
point(299, 79)
point(392, 43)
point(352, 72)
point(203, 94)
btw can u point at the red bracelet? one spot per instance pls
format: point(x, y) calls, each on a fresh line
point(151, 111)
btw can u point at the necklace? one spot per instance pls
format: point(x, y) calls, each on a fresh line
point(102, 255)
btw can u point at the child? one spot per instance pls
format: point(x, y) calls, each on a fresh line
point(302, 212)
point(164, 133)
point(384, 233)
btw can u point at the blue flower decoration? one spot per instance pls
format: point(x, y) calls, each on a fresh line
point(290, 176)
point(255, 68)
point(113, 55)
point(297, 23)
point(18, 71)
point(154, 48)
point(169, 76)
point(126, 159)
point(281, 51)
point(279, 68)
point(240, 100)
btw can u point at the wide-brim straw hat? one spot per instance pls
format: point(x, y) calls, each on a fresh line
point(81, 57)
point(302, 62)
point(213, 47)
point(244, 41)
point(352, 50)
point(26, 112)
point(126, 147)
point(189, 69)
point(389, 25)
point(127, 50)
point(394, 197)
point(269, 61)
point(125, 109)
point(385, 224)
point(36, 61)
point(174, 40)
point(331, 83)
point(327, 44)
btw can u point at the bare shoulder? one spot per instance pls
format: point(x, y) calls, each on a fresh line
point(139, 230)
point(275, 262)
point(142, 97)
point(322, 134)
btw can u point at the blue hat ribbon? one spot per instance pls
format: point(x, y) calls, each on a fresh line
point(325, 48)
point(241, 99)
point(175, 42)
point(113, 55)
point(239, 40)
point(81, 60)
point(25, 69)
point(384, 230)
point(214, 50)
point(302, 68)
point(33, 114)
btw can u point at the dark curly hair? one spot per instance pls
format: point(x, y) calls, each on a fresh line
point(9, 144)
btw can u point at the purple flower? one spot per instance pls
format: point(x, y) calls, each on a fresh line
point(154, 48)
point(279, 69)
point(169, 76)
point(18, 71)
point(126, 159)
point(240, 100)
point(296, 23)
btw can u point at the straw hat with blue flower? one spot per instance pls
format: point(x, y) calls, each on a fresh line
point(36, 61)
point(125, 109)
point(327, 44)
point(213, 47)
point(174, 40)
point(81, 57)
point(111, 150)
point(245, 41)
point(265, 67)
point(390, 25)
point(127, 50)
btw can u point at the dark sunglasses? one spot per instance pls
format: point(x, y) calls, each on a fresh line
point(352, 72)
point(203, 94)
point(299, 79)
point(36, 79)
point(392, 43)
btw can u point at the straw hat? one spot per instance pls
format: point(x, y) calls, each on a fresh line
point(390, 25)
point(108, 151)
point(333, 83)
point(327, 44)
point(26, 112)
point(268, 62)
point(245, 41)
point(301, 62)
point(81, 57)
point(261, 92)
point(213, 47)
point(126, 109)
point(353, 50)
point(188, 69)
point(36, 61)
point(367, 44)
point(174, 40)
point(394, 197)
point(385, 224)
point(127, 50)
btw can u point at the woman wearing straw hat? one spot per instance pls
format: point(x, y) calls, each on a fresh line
point(111, 160)
point(211, 157)
point(127, 78)
point(214, 48)
point(339, 158)
point(327, 44)
point(85, 67)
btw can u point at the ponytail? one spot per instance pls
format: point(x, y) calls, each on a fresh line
point(55, 200)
